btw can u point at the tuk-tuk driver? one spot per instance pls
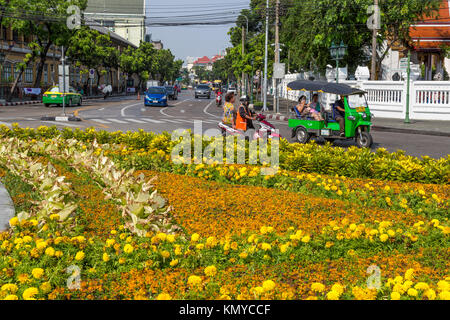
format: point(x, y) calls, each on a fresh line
point(340, 115)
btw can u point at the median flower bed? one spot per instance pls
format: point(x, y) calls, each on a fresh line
point(209, 231)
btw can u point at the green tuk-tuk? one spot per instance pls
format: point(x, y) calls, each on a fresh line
point(357, 115)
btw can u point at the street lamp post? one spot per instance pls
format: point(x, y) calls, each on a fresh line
point(253, 77)
point(2, 60)
point(337, 53)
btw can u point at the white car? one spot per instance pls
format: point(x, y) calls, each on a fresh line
point(232, 89)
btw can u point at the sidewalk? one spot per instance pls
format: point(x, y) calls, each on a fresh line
point(17, 102)
point(7, 210)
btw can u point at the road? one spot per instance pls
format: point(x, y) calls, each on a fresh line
point(128, 113)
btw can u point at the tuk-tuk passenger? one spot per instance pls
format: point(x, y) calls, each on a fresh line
point(340, 115)
point(301, 106)
point(315, 104)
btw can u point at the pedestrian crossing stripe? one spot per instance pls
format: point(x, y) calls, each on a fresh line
point(116, 121)
point(135, 120)
point(152, 120)
point(101, 121)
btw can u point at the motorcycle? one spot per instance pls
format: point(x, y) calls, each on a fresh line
point(219, 99)
point(266, 129)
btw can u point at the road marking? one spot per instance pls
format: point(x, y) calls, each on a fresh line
point(172, 121)
point(185, 120)
point(134, 120)
point(181, 102)
point(165, 114)
point(101, 121)
point(152, 120)
point(62, 124)
point(210, 114)
point(122, 112)
point(116, 121)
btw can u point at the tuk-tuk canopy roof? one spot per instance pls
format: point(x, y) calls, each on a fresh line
point(323, 86)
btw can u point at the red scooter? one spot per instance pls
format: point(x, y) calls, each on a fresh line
point(266, 129)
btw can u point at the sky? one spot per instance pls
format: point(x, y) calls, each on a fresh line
point(194, 41)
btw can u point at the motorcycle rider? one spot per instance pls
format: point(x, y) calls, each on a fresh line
point(244, 117)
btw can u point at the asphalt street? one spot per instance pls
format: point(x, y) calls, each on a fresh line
point(128, 113)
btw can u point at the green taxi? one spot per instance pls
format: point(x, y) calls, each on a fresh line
point(55, 96)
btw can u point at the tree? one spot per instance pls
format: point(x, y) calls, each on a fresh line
point(46, 20)
point(91, 49)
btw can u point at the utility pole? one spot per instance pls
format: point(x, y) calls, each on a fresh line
point(375, 26)
point(243, 53)
point(63, 61)
point(266, 58)
point(408, 75)
point(277, 54)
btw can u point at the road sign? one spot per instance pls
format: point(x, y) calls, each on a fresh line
point(279, 70)
point(403, 64)
point(60, 82)
point(91, 73)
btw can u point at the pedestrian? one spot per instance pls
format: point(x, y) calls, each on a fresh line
point(340, 115)
point(245, 117)
point(229, 113)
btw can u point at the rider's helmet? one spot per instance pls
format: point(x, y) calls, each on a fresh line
point(244, 98)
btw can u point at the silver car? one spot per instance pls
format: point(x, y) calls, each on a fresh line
point(203, 90)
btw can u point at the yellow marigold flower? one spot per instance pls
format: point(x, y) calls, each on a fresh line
point(444, 295)
point(210, 271)
point(195, 237)
point(79, 256)
point(163, 296)
point(50, 251)
point(122, 260)
point(58, 254)
point(421, 286)
point(243, 255)
point(329, 244)
point(14, 221)
point(412, 292)
point(234, 245)
point(194, 280)
point(443, 285)
point(317, 287)
point(409, 274)
point(430, 294)
point(27, 239)
point(29, 293)
point(174, 262)
point(283, 248)
point(110, 242)
point(37, 273)
point(11, 287)
point(170, 238)
point(265, 246)
point(128, 248)
point(11, 297)
point(333, 295)
point(306, 239)
point(395, 295)
point(257, 290)
point(161, 236)
point(391, 233)
point(105, 257)
point(384, 237)
point(41, 245)
point(54, 216)
point(225, 297)
point(337, 287)
point(268, 285)
point(178, 251)
point(165, 254)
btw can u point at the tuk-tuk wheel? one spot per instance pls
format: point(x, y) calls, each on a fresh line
point(364, 140)
point(302, 135)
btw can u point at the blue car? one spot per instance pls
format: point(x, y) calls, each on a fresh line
point(156, 96)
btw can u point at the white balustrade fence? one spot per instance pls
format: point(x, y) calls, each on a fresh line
point(428, 100)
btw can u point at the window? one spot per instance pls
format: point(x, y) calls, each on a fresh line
point(29, 75)
point(45, 74)
point(15, 36)
point(6, 72)
point(16, 72)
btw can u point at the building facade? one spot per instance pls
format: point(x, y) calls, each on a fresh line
point(125, 18)
point(15, 46)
